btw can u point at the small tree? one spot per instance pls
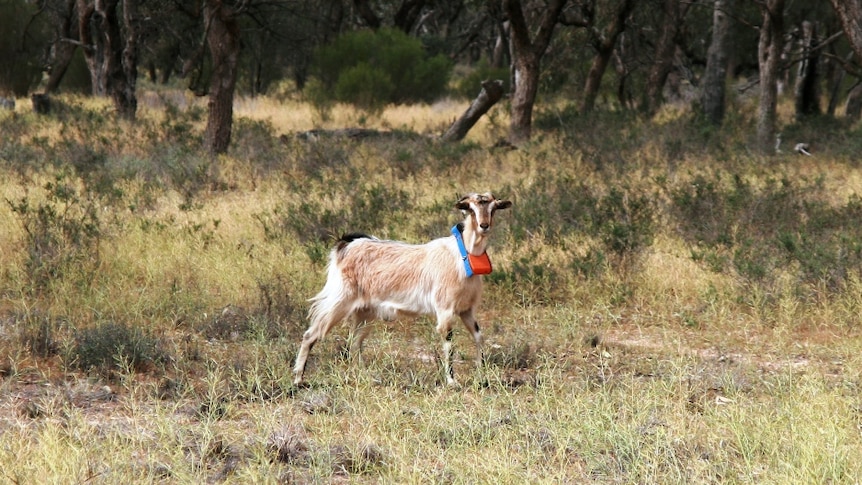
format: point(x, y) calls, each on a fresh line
point(372, 68)
point(769, 53)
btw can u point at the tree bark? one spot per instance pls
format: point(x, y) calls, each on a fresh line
point(492, 91)
point(63, 49)
point(604, 43)
point(853, 108)
point(850, 14)
point(121, 54)
point(715, 75)
point(664, 53)
point(223, 41)
point(111, 58)
point(407, 15)
point(806, 90)
point(768, 53)
point(526, 60)
point(92, 46)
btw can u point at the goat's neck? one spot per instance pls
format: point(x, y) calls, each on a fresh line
point(475, 243)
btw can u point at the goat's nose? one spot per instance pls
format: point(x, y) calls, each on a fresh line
point(484, 226)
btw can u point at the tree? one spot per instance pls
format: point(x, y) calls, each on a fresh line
point(526, 58)
point(674, 11)
point(715, 74)
point(769, 53)
point(111, 56)
point(222, 37)
point(603, 40)
point(807, 87)
point(64, 46)
point(405, 18)
point(850, 14)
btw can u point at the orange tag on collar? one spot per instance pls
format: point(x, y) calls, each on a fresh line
point(480, 264)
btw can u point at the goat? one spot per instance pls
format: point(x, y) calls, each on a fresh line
point(370, 279)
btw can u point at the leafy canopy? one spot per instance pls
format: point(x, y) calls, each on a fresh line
point(371, 69)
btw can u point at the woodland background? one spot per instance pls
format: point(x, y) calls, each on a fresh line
point(676, 291)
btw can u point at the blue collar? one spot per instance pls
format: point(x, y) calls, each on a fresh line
point(456, 231)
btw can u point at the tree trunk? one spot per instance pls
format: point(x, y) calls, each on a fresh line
point(853, 108)
point(664, 53)
point(121, 54)
point(223, 42)
point(500, 53)
point(604, 43)
point(715, 76)
point(768, 53)
point(111, 58)
point(526, 56)
point(63, 50)
point(525, 68)
point(850, 14)
point(407, 15)
point(92, 46)
point(836, 80)
point(807, 92)
point(492, 91)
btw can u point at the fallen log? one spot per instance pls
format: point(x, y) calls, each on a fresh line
point(492, 91)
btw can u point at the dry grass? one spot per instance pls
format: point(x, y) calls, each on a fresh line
point(613, 357)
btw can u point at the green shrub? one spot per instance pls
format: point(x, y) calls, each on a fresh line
point(111, 346)
point(371, 69)
point(364, 86)
point(758, 230)
point(61, 233)
point(624, 220)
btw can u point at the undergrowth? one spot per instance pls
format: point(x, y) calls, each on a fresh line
point(665, 305)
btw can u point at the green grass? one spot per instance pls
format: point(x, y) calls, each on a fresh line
point(666, 306)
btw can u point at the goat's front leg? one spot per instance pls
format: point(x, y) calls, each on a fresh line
point(473, 326)
point(444, 328)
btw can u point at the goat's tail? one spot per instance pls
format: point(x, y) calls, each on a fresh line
point(335, 301)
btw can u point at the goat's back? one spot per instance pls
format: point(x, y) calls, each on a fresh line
point(411, 278)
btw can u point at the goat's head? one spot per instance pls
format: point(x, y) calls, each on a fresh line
point(481, 208)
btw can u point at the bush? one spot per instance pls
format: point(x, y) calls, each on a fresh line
point(61, 233)
point(758, 230)
point(371, 69)
point(38, 334)
point(112, 346)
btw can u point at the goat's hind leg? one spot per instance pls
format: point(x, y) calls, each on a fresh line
point(320, 326)
point(361, 328)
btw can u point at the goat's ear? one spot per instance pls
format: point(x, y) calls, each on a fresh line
point(463, 204)
point(502, 204)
